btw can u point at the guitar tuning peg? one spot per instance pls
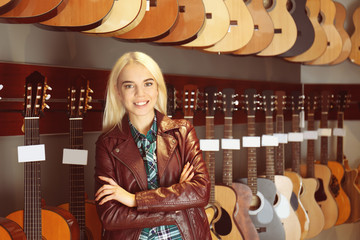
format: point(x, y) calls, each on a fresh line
point(46, 106)
point(1, 86)
point(89, 98)
point(48, 87)
point(47, 96)
point(89, 107)
point(90, 90)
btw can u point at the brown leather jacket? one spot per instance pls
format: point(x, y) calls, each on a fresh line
point(182, 204)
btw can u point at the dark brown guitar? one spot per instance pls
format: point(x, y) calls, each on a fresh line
point(10, 230)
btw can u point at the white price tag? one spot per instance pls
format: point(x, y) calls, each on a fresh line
point(251, 141)
point(282, 137)
point(75, 156)
point(295, 137)
point(311, 135)
point(147, 5)
point(339, 132)
point(324, 132)
point(269, 141)
point(230, 144)
point(209, 144)
point(31, 153)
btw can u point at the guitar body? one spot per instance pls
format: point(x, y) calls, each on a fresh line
point(56, 223)
point(305, 29)
point(157, 21)
point(123, 16)
point(92, 222)
point(10, 230)
point(355, 38)
point(323, 195)
point(213, 213)
point(7, 5)
point(80, 15)
point(300, 210)
point(285, 31)
point(225, 226)
point(283, 208)
point(339, 24)
point(342, 200)
point(264, 218)
point(30, 11)
point(352, 191)
point(240, 31)
point(216, 24)
point(189, 22)
point(264, 29)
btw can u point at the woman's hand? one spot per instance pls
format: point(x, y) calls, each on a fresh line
point(186, 174)
point(112, 191)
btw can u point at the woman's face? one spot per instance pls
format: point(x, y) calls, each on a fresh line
point(138, 90)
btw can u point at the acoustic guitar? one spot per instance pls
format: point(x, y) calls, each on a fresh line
point(33, 11)
point(235, 222)
point(216, 25)
point(334, 42)
point(336, 168)
point(10, 230)
point(355, 38)
point(7, 5)
point(240, 30)
point(285, 31)
point(348, 184)
point(262, 213)
point(159, 18)
point(79, 15)
point(305, 30)
point(340, 17)
point(311, 184)
point(263, 28)
point(320, 39)
point(123, 16)
point(83, 210)
point(171, 105)
point(283, 184)
point(39, 222)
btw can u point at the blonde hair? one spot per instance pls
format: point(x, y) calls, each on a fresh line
point(114, 111)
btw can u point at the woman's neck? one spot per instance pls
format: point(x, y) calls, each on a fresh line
point(142, 123)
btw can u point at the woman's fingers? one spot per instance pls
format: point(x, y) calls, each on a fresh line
point(186, 174)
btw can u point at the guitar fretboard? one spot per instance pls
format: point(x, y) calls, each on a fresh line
point(228, 154)
point(324, 157)
point(252, 164)
point(310, 159)
point(210, 156)
point(296, 146)
point(340, 145)
point(280, 150)
point(269, 155)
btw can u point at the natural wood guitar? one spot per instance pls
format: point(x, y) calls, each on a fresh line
point(7, 5)
point(355, 38)
point(283, 184)
point(10, 230)
point(83, 209)
point(311, 184)
point(39, 222)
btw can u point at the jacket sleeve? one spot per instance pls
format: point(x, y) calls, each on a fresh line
point(179, 196)
point(114, 215)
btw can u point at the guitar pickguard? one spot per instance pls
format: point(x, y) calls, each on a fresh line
point(320, 194)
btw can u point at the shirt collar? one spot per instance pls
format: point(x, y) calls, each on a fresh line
point(150, 135)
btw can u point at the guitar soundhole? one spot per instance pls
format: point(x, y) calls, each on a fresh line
point(334, 186)
point(276, 199)
point(294, 201)
point(223, 226)
point(255, 203)
point(320, 194)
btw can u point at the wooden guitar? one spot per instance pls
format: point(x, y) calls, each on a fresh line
point(159, 18)
point(7, 5)
point(239, 224)
point(350, 175)
point(285, 31)
point(190, 20)
point(123, 16)
point(355, 38)
point(33, 11)
point(216, 25)
point(340, 17)
point(83, 210)
point(10, 230)
point(262, 213)
point(305, 30)
point(171, 105)
point(263, 28)
point(79, 15)
point(240, 30)
point(37, 222)
point(336, 168)
point(283, 184)
point(294, 173)
point(311, 184)
point(320, 40)
point(190, 101)
point(334, 43)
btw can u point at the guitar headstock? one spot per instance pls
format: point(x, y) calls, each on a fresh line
point(251, 101)
point(268, 102)
point(35, 94)
point(297, 104)
point(211, 101)
point(79, 97)
point(343, 101)
point(280, 102)
point(229, 101)
point(190, 99)
point(172, 100)
point(312, 102)
point(325, 101)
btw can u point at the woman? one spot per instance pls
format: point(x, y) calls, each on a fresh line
point(150, 178)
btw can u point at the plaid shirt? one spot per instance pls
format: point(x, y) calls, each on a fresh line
point(147, 147)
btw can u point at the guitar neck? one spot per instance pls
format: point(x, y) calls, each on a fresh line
point(280, 150)
point(210, 156)
point(228, 154)
point(324, 140)
point(269, 155)
point(295, 146)
point(32, 208)
point(310, 159)
point(251, 154)
point(340, 144)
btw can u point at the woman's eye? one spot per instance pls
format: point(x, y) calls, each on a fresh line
point(147, 84)
point(128, 86)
